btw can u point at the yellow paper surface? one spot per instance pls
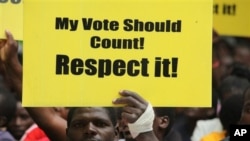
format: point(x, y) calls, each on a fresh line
point(11, 17)
point(231, 17)
point(117, 45)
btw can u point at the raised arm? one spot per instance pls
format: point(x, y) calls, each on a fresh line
point(139, 115)
point(10, 66)
point(46, 118)
point(50, 122)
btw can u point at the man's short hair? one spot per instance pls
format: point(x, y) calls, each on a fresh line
point(110, 112)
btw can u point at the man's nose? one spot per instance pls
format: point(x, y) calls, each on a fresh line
point(17, 121)
point(91, 129)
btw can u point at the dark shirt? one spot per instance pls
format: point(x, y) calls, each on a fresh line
point(173, 135)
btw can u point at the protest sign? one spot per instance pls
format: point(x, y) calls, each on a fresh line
point(82, 52)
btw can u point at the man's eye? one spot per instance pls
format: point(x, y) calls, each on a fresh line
point(78, 125)
point(101, 124)
point(24, 116)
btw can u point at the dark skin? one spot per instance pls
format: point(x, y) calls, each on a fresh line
point(46, 117)
point(134, 107)
point(20, 122)
point(160, 125)
point(10, 67)
point(91, 124)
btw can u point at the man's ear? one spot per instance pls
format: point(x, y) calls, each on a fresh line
point(117, 135)
point(164, 122)
point(3, 121)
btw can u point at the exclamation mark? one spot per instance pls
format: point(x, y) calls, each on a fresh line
point(174, 67)
point(234, 9)
point(141, 43)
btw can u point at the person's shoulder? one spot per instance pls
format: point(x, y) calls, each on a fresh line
point(6, 136)
point(173, 135)
point(35, 133)
point(209, 125)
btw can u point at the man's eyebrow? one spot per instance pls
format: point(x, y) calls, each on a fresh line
point(78, 120)
point(102, 119)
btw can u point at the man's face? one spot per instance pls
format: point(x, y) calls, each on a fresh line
point(245, 115)
point(242, 55)
point(91, 124)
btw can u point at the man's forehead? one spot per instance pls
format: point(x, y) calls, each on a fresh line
point(92, 110)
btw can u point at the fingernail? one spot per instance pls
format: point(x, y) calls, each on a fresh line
point(114, 100)
point(7, 31)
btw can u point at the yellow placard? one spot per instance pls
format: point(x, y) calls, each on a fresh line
point(11, 17)
point(82, 52)
point(231, 17)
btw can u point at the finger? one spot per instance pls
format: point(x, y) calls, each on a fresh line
point(129, 118)
point(9, 35)
point(127, 93)
point(10, 38)
point(128, 100)
point(132, 110)
point(2, 42)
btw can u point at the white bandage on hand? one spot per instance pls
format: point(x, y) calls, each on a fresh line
point(144, 123)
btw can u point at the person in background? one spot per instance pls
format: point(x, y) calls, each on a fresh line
point(222, 60)
point(23, 128)
point(231, 85)
point(245, 114)
point(242, 57)
point(7, 110)
point(242, 53)
point(230, 114)
point(163, 122)
point(191, 115)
